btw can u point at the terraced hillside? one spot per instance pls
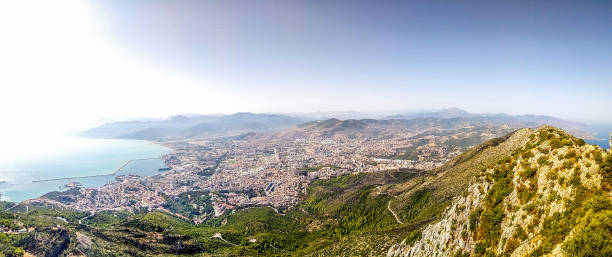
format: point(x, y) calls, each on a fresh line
point(531, 193)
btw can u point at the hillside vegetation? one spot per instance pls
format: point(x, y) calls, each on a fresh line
point(534, 192)
point(551, 196)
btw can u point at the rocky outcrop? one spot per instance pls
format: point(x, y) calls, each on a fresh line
point(527, 204)
point(453, 230)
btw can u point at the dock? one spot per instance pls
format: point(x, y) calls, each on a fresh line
point(93, 176)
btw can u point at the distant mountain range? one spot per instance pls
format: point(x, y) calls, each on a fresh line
point(184, 126)
point(194, 125)
point(525, 120)
point(445, 113)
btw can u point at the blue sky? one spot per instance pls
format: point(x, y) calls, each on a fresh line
point(550, 57)
point(78, 63)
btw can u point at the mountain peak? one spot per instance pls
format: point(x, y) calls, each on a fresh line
point(454, 110)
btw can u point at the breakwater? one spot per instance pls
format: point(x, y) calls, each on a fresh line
point(94, 176)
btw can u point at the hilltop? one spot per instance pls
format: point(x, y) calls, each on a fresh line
point(550, 196)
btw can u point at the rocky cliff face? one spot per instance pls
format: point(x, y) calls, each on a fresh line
point(550, 197)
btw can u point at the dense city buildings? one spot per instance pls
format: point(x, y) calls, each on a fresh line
point(273, 169)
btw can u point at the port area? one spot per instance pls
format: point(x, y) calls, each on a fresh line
point(101, 175)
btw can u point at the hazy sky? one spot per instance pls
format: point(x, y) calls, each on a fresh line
point(70, 64)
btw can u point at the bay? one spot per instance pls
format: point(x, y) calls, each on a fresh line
point(33, 177)
point(601, 132)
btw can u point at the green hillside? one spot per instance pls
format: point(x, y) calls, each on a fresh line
point(532, 192)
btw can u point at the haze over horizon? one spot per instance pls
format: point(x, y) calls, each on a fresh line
point(74, 64)
point(306, 128)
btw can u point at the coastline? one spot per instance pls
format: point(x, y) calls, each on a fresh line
point(92, 166)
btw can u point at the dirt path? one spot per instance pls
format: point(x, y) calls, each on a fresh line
point(394, 215)
point(218, 235)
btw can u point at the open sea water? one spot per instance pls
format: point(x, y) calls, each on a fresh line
point(88, 157)
point(601, 134)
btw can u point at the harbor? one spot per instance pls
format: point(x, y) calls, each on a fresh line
point(101, 175)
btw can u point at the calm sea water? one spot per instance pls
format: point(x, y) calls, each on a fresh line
point(88, 157)
point(601, 132)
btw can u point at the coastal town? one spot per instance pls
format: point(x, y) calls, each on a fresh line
point(274, 169)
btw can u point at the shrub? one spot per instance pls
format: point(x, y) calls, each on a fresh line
point(414, 236)
point(460, 209)
point(561, 181)
point(605, 168)
point(575, 179)
point(474, 218)
point(461, 253)
point(543, 150)
point(598, 203)
point(567, 142)
point(569, 163)
point(552, 196)
point(511, 245)
point(520, 233)
point(529, 172)
point(543, 160)
point(555, 143)
point(554, 230)
point(524, 195)
point(529, 208)
point(480, 248)
point(552, 174)
point(592, 236)
point(544, 135)
point(597, 155)
point(571, 154)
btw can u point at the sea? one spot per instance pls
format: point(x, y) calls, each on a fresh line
point(73, 159)
point(600, 132)
point(101, 159)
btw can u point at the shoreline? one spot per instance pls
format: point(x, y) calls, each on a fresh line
point(36, 177)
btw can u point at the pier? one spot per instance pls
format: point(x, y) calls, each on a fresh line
point(93, 176)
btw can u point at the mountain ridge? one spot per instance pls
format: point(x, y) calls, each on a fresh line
point(551, 177)
point(218, 125)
